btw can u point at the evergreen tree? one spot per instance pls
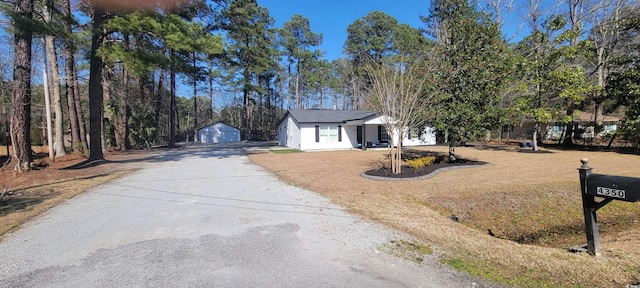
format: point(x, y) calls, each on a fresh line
point(469, 53)
point(297, 39)
point(22, 17)
point(247, 27)
point(551, 84)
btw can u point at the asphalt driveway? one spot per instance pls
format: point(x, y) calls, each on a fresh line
point(208, 217)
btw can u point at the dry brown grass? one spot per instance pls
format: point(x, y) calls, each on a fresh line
point(531, 197)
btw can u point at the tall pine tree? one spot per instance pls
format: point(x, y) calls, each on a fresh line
point(247, 26)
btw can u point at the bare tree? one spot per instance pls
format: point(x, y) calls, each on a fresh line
point(578, 11)
point(500, 11)
point(604, 35)
point(397, 93)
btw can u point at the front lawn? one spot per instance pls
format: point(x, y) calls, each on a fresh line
point(514, 218)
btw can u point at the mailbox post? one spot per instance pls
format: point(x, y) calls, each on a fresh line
point(589, 209)
point(608, 188)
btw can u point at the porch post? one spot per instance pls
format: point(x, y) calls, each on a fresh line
point(364, 136)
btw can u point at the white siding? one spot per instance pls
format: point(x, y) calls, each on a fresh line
point(218, 133)
point(282, 133)
point(303, 136)
point(308, 136)
point(428, 137)
point(371, 134)
point(350, 135)
point(289, 133)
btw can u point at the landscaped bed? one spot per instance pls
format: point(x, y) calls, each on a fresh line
point(435, 163)
point(513, 219)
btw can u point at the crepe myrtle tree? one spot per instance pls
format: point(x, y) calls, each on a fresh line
point(399, 91)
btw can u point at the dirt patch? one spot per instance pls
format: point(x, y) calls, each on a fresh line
point(530, 198)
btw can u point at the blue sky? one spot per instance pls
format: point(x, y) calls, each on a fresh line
point(331, 17)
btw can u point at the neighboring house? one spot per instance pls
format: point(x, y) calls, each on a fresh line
point(342, 129)
point(584, 121)
point(556, 130)
point(218, 133)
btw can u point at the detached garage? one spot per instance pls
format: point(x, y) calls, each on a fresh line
point(219, 133)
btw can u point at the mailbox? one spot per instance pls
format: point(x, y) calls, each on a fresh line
point(614, 187)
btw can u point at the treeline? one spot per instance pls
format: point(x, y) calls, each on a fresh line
point(114, 70)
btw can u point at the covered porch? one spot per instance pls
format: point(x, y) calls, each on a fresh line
point(368, 133)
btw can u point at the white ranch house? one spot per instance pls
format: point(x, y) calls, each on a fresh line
point(342, 129)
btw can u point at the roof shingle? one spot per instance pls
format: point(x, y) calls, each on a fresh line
point(329, 116)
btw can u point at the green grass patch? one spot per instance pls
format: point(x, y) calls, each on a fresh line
point(285, 151)
point(410, 250)
point(525, 278)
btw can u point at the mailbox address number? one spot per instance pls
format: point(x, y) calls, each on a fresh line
point(610, 192)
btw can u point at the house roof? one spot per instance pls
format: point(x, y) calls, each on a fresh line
point(589, 117)
point(218, 123)
point(581, 116)
point(328, 116)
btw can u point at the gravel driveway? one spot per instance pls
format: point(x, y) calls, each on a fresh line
point(208, 217)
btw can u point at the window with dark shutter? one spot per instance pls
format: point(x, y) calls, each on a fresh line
point(317, 134)
point(379, 133)
point(339, 133)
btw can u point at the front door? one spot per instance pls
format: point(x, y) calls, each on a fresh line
point(359, 134)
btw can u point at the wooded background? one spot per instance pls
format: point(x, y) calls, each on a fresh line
point(113, 69)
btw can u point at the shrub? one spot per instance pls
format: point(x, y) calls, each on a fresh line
point(421, 162)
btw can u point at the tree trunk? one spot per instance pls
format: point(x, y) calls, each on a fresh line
point(298, 85)
point(195, 100)
point(21, 97)
point(172, 103)
point(245, 107)
point(110, 114)
point(392, 159)
point(398, 148)
point(120, 113)
point(47, 103)
point(535, 137)
point(452, 151)
point(211, 90)
point(107, 80)
point(81, 125)
point(601, 83)
point(71, 106)
point(612, 139)
point(95, 88)
point(55, 88)
point(159, 97)
point(393, 152)
point(568, 136)
point(71, 80)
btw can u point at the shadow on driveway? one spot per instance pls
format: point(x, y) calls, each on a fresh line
point(184, 150)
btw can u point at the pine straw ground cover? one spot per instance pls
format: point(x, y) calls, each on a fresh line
point(516, 216)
